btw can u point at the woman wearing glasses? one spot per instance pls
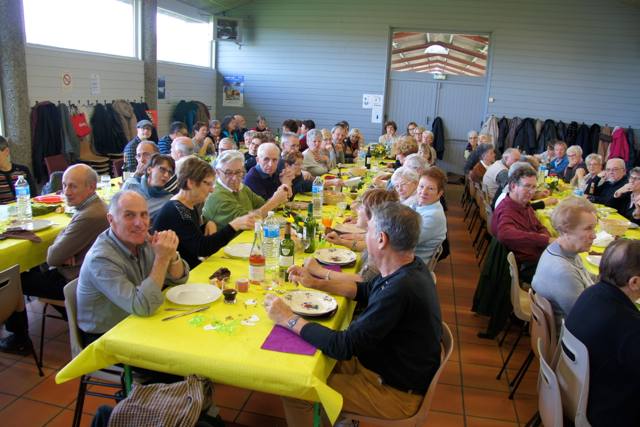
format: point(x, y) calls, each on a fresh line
point(180, 215)
point(627, 198)
point(231, 198)
point(574, 154)
point(405, 182)
point(293, 160)
point(434, 223)
point(160, 169)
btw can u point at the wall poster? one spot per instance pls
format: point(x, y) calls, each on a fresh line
point(232, 91)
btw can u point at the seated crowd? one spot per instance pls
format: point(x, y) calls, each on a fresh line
point(176, 209)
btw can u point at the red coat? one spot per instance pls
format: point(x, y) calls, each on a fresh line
point(619, 146)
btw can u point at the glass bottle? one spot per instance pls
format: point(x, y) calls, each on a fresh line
point(256, 258)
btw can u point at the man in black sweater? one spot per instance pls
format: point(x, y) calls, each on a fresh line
point(616, 178)
point(388, 356)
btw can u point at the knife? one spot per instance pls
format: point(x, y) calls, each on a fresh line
point(197, 310)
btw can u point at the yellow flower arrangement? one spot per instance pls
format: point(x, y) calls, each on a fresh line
point(552, 183)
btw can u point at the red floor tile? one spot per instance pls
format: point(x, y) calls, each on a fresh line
point(230, 396)
point(451, 374)
point(21, 378)
point(526, 406)
point(265, 404)
point(65, 418)
point(24, 412)
point(464, 291)
point(485, 422)
point(469, 334)
point(5, 400)
point(256, 420)
point(443, 419)
point(480, 354)
point(55, 394)
point(488, 404)
point(447, 398)
point(484, 377)
point(447, 301)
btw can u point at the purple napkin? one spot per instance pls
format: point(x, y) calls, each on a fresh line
point(283, 340)
point(329, 267)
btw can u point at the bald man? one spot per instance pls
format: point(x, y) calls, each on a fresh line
point(182, 148)
point(241, 124)
point(264, 179)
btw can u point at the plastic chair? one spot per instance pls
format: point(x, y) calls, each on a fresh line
point(420, 417)
point(549, 401)
point(434, 259)
point(47, 302)
point(521, 307)
point(545, 305)
point(57, 163)
point(11, 299)
point(108, 377)
point(117, 168)
point(572, 371)
point(539, 330)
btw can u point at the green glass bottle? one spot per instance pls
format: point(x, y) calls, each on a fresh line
point(287, 250)
point(309, 231)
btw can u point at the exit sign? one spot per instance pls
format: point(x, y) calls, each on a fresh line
point(439, 76)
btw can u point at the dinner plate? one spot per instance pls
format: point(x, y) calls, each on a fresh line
point(335, 256)
point(193, 294)
point(594, 259)
point(33, 224)
point(239, 250)
point(50, 198)
point(633, 225)
point(352, 182)
point(310, 303)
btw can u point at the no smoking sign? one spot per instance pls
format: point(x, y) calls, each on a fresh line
point(67, 82)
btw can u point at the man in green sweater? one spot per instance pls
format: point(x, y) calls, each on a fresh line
point(231, 199)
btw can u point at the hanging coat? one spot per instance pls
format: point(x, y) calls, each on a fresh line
point(525, 139)
point(632, 149)
point(547, 134)
point(570, 136)
point(539, 124)
point(202, 114)
point(69, 135)
point(619, 146)
point(603, 143)
point(438, 137)
point(127, 117)
point(511, 135)
point(594, 137)
point(503, 130)
point(561, 130)
point(582, 140)
point(116, 128)
point(491, 127)
point(47, 139)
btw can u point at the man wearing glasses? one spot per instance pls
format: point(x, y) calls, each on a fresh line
point(144, 129)
point(616, 174)
point(176, 130)
point(515, 225)
point(231, 198)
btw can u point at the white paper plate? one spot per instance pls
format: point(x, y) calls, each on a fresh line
point(352, 182)
point(193, 294)
point(594, 259)
point(606, 209)
point(239, 250)
point(310, 303)
point(335, 256)
point(33, 225)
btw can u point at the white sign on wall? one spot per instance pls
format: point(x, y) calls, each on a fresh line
point(367, 101)
point(95, 84)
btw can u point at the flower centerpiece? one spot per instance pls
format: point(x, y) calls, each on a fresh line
point(379, 150)
point(552, 183)
point(207, 159)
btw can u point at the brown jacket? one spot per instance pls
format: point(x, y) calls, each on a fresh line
point(127, 118)
point(76, 239)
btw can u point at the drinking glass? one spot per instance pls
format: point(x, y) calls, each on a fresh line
point(105, 183)
point(342, 206)
point(327, 221)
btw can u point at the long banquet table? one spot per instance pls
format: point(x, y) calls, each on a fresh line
point(177, 347)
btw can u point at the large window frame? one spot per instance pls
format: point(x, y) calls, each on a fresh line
point(187, 17)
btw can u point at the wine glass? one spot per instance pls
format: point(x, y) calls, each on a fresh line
point(302, 245)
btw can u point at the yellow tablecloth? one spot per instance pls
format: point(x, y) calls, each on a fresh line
point(178, 348)
point(30, 254)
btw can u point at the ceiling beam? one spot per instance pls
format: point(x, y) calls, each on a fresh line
point(444, 69)
point(403, 35)
point(435, 55)
point(444, 64)
point(443, 44)
point(483, 40)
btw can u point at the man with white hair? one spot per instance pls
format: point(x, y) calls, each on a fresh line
point(498, 172)
point(616, 174)
point(182, 148)
point(241, 124)
point(263, 179)
point(232, 199)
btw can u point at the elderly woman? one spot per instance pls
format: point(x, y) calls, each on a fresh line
point(180, 215)
point(627, 199)
point(405, 182)
point(229, 129)
point(574, 154)
point(214, 131)
point(315, 161)
point(427, 137)
point(293, 160)
point(370, 198)
point(160, 168)
point(257, 139)
point(434, 223)
point(561, 275)
point(592, 179)
point(403, 147)
point(472, 137)
point(201, 143)
point(231, 198)
point(390, 136)
point(261, 125)
point(417, 134)
point(248, 135)
point(428, 152)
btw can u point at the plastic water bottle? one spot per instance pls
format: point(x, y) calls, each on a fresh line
point(23, 196)
point(318, 190)
point(542, 174)
point(578, 191)
point(271, 245)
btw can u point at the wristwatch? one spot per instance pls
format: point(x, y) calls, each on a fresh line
point(293, 322)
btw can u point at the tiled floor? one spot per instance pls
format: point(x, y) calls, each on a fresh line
point(468, 393)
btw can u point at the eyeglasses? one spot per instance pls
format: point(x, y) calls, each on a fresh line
point(164, 170)
point(142, 155)
point(229, 174)
point(527, 187)
point(208, 183)
point(298, 164)
point(293, 146)
point(402, 185)
point(613, 169)
point(634, 178)
point(571, 156)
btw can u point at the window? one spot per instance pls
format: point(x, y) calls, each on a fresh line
point(183, 39)
point(461, 54)
point(101, 26)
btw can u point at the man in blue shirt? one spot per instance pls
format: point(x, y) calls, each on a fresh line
point(561, 161)
point(175, 130)
point(263, 179)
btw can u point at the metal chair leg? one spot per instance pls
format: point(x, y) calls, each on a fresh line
point(506, 362)
point(520, 375)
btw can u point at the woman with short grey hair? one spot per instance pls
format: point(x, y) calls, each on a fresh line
point(574, 154)
point(405, 182)
point(593, 178)
point(472, 137)
point(315, 162)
